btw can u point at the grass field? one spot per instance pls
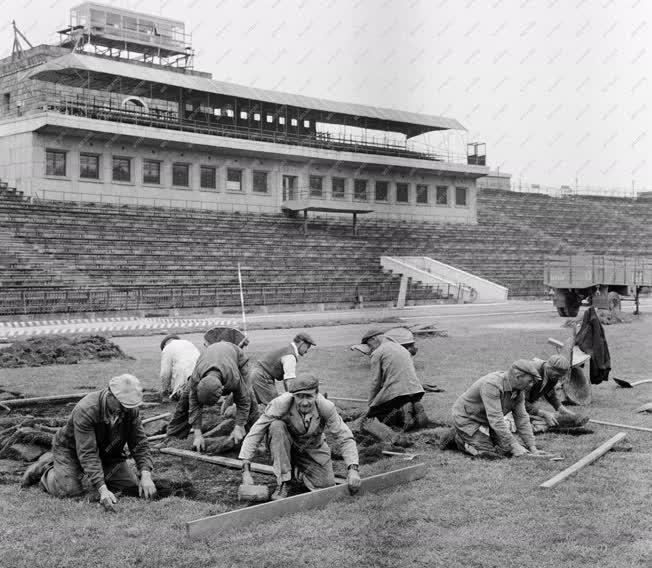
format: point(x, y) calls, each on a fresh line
point(464, 513)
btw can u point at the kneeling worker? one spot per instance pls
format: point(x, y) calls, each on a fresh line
point(91, 443)
point(396, 392)
point(553, 371)
point(218, 371)
point(480, 429)
point(294, 423)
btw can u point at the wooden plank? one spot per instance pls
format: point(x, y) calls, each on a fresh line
point(158, 417)
point(40, 400)
point(250, 516)
point(342, 399)
point(615, 425)
point(586, 460)
point(218, 460)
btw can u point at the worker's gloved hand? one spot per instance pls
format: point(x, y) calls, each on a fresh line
point(549, 417)
point(247, 479)
point(198, 443)
point(518, 451)
point(146, 487)
point(238, 434)
point(107, 499)
point(353, 480)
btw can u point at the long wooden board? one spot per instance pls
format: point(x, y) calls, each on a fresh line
point(250, 516)
point(586, 460)
point(615, 425)
point(218, 460)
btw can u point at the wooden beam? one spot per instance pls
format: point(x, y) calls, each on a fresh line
point(250, 516)
point(41, 400)
point(158, 417)
point(342, 399)
point(615, 425)
point(150, 399)
point(218, 460)
point(586, 460)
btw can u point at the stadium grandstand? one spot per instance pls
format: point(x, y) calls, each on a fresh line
point(134, 182)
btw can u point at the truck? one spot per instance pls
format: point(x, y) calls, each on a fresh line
point(598, 279)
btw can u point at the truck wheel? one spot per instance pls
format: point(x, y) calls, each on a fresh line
point(562, 312)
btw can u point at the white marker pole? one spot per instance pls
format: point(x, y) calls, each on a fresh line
point(244, 320)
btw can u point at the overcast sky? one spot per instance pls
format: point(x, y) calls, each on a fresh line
point(560, 90)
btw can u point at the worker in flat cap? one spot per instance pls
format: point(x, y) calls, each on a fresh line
point(478, 414)
point(278, 365)
point(91, 444)
point(220, 370)
point(293, 426)
point(178, 358)
point(554, 371)
point(396, 392)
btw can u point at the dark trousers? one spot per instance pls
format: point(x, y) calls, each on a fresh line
point(64, 477)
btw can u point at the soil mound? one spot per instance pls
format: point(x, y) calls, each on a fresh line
point(59, 350)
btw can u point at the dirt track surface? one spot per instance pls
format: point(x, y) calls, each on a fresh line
point(467, 320)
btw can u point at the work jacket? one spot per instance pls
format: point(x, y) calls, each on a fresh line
point(485, 403)
point(178, 360)
point(392, 374)
point(307, 433)
point(591, 339)
point(231, 363)
point(91, 435)
point(546, 388)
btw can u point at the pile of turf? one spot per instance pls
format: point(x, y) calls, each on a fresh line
point(59, 350)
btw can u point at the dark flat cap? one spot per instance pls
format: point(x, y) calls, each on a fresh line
point(303, 336)
point(527, 367)
point(371, 333)
point(304, 384)
point(166, 339)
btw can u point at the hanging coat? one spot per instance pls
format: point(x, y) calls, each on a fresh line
point(591, 340)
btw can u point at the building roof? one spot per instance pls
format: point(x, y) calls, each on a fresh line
point(103, 72)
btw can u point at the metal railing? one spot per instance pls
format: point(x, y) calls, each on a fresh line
point(33, 300)
point(221, 206)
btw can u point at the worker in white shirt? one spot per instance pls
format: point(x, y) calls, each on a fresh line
point(178, 358)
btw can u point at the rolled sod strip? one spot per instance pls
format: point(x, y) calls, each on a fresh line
point(586, 460)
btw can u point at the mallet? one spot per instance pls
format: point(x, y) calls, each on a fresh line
point(254, 493)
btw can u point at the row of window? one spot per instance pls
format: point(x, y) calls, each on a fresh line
point(89, 168)
point(244, 115)
point(122, 171)
point(381, 191)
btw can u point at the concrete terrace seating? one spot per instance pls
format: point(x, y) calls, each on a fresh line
point(74, 257)
point(118, 257)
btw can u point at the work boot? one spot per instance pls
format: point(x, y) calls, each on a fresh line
point(282, 491)
point(420, 417)
point(409, 422)
point(35, 471)
point(447, 441)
